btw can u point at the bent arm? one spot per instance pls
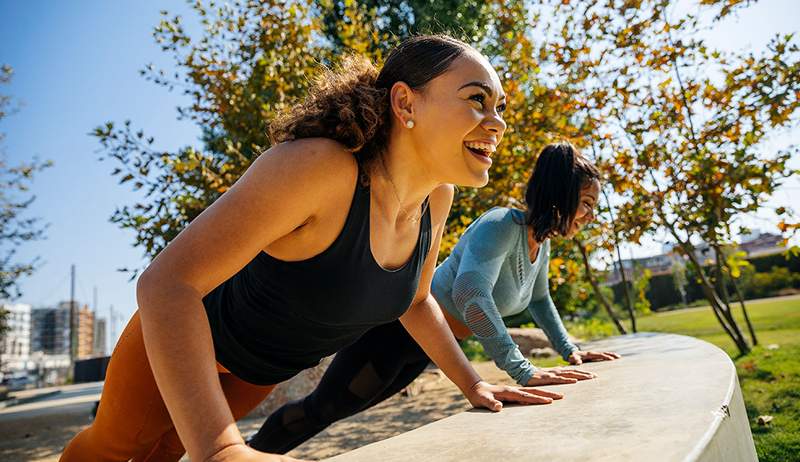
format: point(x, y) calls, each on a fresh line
point(275, 196)
point(476, 304)
point(478, 271)
point(426, 324)
point(424, 320)
point(544, 312)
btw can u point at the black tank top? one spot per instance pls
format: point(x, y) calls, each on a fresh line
point(275, 318)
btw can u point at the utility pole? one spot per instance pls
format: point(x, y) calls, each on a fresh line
point(112, 321)
point(73, 319)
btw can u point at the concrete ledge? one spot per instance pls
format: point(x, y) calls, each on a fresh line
point(670, 398)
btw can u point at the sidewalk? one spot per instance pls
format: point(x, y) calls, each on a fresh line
point(47, 399)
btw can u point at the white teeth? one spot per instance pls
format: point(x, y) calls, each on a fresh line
point(488, 147)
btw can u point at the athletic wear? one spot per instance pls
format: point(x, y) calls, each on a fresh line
point(132, 421)
point(268, 322)
point(489, 276)
point(275, 318)
point(491, 258)
point(381, 363)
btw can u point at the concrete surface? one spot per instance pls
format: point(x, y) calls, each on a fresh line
point(670, 398)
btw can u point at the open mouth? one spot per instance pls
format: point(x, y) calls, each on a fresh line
point(480, 149)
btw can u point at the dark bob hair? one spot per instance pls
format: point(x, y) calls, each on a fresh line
point(554, 189)
point(350, 103)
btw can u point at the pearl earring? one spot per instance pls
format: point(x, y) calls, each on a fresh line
point(410, 124)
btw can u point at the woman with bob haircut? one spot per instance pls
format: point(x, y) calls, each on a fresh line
point(497, 269)
point(329, 233)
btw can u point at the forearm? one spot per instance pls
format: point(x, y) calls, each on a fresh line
point(506, 355)
point(477, 308)
point(546, 316)
point(426, 324)
point(180, 350)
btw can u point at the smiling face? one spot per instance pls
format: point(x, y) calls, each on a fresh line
point(587, 202)
point(458, 121)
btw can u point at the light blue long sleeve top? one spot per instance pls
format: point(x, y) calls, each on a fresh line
point(489, 276)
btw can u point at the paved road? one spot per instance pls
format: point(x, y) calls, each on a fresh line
point(56, 400)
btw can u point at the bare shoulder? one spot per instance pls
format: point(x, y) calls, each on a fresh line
point(288, 186)
point(319, 163)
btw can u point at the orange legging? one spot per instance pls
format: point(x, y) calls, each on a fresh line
point(132, 421)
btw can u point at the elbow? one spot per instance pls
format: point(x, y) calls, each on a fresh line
point(466, 290)
point(146, 286)
point(154, 289)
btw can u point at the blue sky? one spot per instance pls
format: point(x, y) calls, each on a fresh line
point(76, 66)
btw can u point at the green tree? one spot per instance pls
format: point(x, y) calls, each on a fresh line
point(399, 19)
point(251, 61)
point(16, 228)
point(684, 121)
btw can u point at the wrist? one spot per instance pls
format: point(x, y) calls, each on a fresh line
point(474, 386)
point(569, 351)
point(221, 451)
point(527, 375)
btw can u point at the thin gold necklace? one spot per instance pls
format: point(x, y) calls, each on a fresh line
point(408, 216)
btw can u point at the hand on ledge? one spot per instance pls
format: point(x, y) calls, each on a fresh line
point(490, 396)
point(558, 375)
point(579, 357)
point(243, 453)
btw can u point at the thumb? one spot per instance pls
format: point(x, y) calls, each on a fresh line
point(494, 405)
point(489, 403)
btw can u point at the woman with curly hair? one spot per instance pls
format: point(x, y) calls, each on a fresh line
point(497, 269)
point(331, 232)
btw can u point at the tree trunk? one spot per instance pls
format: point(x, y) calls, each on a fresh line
point(719, 278)
point(724, 317)
point(626, 290)
point(596, 287)
point(618, 262)
point(744, 309)
point(732, 328)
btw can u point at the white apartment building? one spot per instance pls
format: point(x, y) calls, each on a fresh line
point(15, 348)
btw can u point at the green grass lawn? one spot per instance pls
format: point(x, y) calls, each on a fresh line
point(770, 378)
point(769, 374)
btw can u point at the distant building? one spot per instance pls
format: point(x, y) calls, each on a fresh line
point(755, 244)
point(657, 264)
point(50, 330)
point(85, 324)
point(762, 244)
point(15, 347)
point(100, 336)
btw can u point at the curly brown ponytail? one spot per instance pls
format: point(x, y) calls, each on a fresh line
point(343, 104)
point(350, 103)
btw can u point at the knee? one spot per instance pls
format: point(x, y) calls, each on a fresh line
point(89, 445)
point(323, 413)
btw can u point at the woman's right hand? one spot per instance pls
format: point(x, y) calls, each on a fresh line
point(244, 453)
point(557, 376)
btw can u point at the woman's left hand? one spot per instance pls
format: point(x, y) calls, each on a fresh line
point(491, 397)
point(580, 357)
